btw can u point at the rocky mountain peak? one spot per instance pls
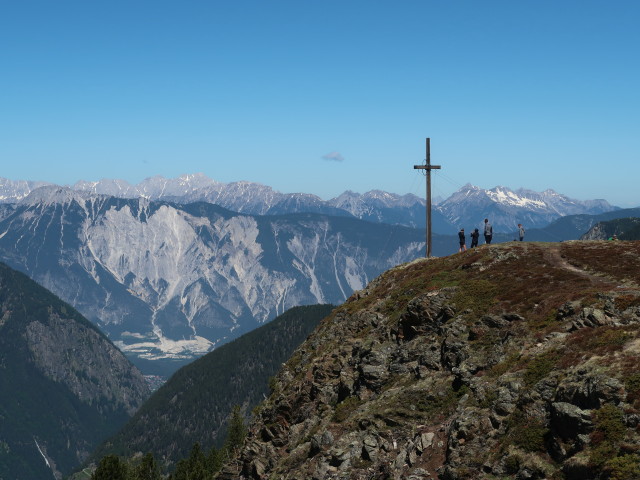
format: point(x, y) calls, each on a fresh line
point(54, 194)
point(516, 360)
point(15, 190)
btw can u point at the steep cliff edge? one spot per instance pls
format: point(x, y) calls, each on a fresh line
point(517, 360)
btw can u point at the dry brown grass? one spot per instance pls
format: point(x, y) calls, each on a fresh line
point(618, 260)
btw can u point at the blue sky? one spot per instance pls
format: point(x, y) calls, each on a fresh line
point(325, 96)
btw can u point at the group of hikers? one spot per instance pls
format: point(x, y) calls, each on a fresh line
point(488, 235)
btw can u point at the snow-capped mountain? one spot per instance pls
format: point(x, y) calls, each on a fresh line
point(169, 280)
point(257, 199)
point(384, 207)
point(242, 197)
point(465, 208)
point(505, 208)
point(14, 190)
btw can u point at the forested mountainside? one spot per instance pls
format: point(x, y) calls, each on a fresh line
point(195, 404)
point(573, 227)
point(64, 386)
point(622, 228)
point(517, 360)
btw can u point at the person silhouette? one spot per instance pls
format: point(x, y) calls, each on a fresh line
point(463, 241)
point(474, 238)
point(488, 231)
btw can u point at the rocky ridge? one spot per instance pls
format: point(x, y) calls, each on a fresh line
point(516, 360)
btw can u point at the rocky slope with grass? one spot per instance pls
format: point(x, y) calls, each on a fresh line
point(516, 360)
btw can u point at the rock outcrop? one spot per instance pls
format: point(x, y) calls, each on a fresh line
point(517, 360)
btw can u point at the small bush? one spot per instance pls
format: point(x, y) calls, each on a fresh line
point(609, 421)
point(527, 432)
point(609, 431)
point(540, 366)
point(512, 464)
point(626, 467)
point(632, 385)
point(345, 408)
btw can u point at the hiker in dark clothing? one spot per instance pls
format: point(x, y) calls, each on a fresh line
point(521, 231)
point(488, 231)
point(463, 240)
point(474, 238)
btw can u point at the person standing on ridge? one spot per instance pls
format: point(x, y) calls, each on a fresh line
point(488, 231)
point(521, 231)
point(474, 238)
point(463, 241)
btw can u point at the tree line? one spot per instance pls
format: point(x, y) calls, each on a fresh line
point(199, 465)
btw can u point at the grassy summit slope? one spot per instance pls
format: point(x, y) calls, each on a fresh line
point(516, 360)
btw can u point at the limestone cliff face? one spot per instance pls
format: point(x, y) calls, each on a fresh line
point(517, 360)
point(171, 281)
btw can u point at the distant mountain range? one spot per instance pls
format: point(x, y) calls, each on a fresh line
point(572, 227)
point(505, 208)
point(169, 280)
point(465, 208)
point(64, 386)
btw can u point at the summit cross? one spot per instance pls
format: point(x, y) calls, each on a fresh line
point(427, 167)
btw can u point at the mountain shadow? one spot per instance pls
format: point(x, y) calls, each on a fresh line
point(64, 386)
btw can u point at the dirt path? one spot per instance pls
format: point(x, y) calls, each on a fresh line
point(554, 256)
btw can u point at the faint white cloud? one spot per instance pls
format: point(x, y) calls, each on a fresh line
point(333, 157)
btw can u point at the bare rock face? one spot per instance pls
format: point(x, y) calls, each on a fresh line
point(492, 363)
point(169, 281)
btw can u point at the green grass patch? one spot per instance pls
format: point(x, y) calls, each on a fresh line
point(609, 430)
point(625, 467)
point(506, 365)
point(540, 366)
point(346, 408)
point(527, 432)
point(478, 295)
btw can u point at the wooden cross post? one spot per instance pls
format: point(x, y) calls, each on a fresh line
point(428, 167)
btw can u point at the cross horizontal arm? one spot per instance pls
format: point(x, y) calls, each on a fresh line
point(427, 167)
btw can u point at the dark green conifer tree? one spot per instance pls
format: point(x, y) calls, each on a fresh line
point(147, 469)
point(214, 460)
point(192, 468)
point(111, 468)
point(236, 432)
